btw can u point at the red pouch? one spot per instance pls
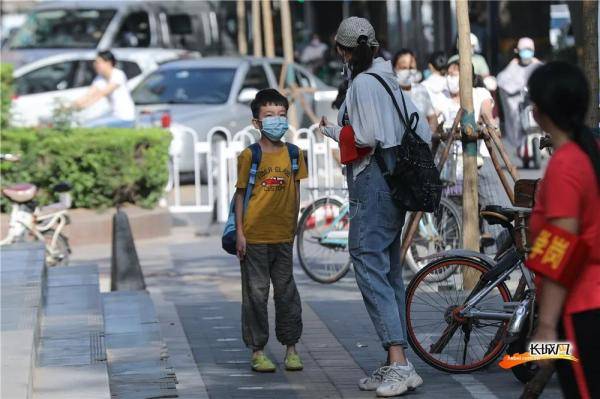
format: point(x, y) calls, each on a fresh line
point(557, 255)
point(349, 152)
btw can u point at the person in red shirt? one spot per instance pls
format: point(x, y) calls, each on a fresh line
point(569, 198)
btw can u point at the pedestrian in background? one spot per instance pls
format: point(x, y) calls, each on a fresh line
point(111, 83)
point(265, 234)
point(512, 81)
point(375, 219)
point(408, 76)
point(313, 55)
point(435, 79)
point(568, 199)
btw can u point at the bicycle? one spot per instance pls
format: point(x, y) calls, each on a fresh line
point(28, 220)
point(465, 322)
point(322, 238)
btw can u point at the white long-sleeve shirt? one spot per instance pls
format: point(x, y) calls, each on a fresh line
point(373, 115)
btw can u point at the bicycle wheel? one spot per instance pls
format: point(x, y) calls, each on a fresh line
point(437, 232)
point(61, 251)
point(322, 240)
point(436, 332)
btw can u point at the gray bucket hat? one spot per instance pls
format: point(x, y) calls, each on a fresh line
point(352, 28)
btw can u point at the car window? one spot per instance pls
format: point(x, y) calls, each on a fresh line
point(256, 78)
point(78, 28)
point(186, 86)
point(131, 69)
point(57, 76)
point(135, 31)
point(85, 73)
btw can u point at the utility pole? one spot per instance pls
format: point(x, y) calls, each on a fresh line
point(256, 29)
point(469, 139)
point(241, 25)
point(268, 29)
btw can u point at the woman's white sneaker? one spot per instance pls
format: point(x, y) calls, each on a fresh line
point(398, 379)
point(372, 382)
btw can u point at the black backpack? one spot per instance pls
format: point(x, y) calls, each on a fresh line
point(414, 180)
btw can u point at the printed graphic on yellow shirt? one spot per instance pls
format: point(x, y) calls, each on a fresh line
point(272, 212)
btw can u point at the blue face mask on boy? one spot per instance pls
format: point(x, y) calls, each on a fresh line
point(274, 127)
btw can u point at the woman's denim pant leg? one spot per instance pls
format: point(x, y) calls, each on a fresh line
point(374, 243)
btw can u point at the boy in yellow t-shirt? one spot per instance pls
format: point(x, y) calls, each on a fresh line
point(265, 235)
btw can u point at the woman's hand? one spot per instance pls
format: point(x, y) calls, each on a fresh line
point(240, 245)
point(323, 124)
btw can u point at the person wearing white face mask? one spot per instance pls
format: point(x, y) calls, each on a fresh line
point(408, 76)
point(511, 82)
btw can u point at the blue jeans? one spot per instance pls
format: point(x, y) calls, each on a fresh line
point(110, 121)
point(374, 244)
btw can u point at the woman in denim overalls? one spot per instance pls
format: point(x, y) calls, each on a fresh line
point(376, 222)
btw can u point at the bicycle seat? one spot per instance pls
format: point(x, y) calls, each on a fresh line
point(20, 193)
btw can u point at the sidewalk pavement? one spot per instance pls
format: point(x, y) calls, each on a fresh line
point(196, 290)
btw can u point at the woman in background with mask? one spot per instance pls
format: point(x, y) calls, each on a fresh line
point(483, 102)
point(408, 76)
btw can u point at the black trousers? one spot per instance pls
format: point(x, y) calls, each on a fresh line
point(586, 329)
point(263, 264)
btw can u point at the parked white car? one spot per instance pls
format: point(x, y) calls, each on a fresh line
point(43, 84)
point(217, 91)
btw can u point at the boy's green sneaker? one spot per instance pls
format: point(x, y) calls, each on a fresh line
point(293, 362)
point(262, 364)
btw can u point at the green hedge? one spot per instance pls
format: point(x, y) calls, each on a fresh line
point(5, 94)
point(105, 166)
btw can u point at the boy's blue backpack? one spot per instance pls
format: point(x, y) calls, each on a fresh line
point(229, 238)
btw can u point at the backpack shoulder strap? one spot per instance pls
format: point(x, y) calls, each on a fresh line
point(256, 156)
point(408, 121)
point(294, 153)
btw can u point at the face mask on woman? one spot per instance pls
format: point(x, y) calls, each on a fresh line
point(274, 127)
point(406, 77)
point(452, 83)
point(346, 71)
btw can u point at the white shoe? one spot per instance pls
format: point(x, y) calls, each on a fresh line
point(372, 382)
point(398, 379)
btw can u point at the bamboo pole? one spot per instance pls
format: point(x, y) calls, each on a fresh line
point(512, 170)
point(286, 30)
point(470, 200)
point(256, 29)
point(268, 29)
point(241, 25)
point(494, 157)
point(288, 55)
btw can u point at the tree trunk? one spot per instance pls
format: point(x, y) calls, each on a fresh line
point(469, 200)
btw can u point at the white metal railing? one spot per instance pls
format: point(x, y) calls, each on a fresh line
point(323, 169)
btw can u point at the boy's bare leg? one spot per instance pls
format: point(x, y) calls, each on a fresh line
point(291, 350)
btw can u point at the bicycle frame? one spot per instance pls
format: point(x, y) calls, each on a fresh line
point(469, 310)
point(22, 221)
